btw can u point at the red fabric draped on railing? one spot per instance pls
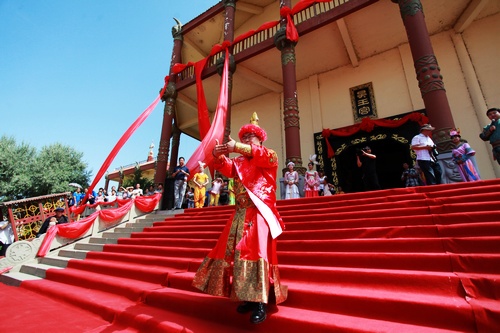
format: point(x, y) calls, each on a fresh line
point(68, 230)
point(111, 215)
point(147, 203)
point(77, 229)
point(368, 125)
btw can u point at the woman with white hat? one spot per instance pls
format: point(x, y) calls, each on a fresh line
point(291, 181)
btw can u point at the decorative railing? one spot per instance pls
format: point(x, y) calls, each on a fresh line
point(27, 215)
point(264, 36)
point(64, 234)
point(315, 10)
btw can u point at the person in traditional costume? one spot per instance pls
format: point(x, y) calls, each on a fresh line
point(311, 187)
point(243, 264)
point(201, 181)
point(462, 156)
point(291, 181)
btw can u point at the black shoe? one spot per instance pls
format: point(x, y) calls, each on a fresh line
point(259, 314)
point(246, 307)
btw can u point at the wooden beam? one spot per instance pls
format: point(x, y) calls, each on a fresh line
point(259, 79)
point(187, 41)
point(469, 15)
point(346, 38)
point(249, 8)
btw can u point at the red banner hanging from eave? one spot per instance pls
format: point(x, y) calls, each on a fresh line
point(216, 132)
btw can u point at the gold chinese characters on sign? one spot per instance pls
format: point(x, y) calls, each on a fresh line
point(363, 102)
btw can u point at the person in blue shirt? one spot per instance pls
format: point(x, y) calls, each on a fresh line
point(181, 175)
point(78, 195)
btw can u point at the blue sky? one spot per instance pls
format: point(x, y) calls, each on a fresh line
point(80, 72)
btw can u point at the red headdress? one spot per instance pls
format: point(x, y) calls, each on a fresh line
point(254, 128)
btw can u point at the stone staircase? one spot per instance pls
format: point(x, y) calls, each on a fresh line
point(403, 260)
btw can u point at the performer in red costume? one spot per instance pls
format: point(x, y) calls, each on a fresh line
point(243, 265)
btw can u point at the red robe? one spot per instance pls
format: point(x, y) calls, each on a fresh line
point(246, 249)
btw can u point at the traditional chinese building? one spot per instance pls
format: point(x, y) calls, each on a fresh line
point(355, 73)
point(147, 167)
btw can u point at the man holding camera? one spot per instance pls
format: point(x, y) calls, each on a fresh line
point(366, 161)
point(423, 146)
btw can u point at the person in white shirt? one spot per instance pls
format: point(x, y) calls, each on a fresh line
point(137, 191)
point(6, 236)
point(423, 146)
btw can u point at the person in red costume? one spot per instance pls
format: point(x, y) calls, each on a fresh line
point(243, 265)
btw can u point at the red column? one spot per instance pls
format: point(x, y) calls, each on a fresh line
point(290, 101)
point(169, 111)
point(430, 80)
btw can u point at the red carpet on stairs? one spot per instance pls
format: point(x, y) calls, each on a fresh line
point(424, 259)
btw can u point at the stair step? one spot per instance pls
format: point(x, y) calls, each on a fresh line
point(89, 247)
point(37, 269)
point(68, 253)
point(15, 278)
point(207, 307)
point(178, 263)
point(95, 240)
point(116, 234)
point(61, 262)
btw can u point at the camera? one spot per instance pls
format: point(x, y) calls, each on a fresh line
point(434, 151)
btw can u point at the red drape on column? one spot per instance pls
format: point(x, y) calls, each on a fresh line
point(216, 132)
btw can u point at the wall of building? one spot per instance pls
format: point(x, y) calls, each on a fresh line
point(396, 91)
point(324, 100)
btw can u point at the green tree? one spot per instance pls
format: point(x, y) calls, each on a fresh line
point(16, 168)
point(56, 166)
point(138, 179)
point(26, 173)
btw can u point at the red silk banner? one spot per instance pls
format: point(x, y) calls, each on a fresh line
point(368, 125)
point(203, 119)
point(216, 132)
point(135, 125)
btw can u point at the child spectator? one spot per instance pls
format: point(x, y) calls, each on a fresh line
point(215, 191)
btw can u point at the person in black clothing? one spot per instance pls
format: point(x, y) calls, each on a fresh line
point(59, 218)
point(366, 161)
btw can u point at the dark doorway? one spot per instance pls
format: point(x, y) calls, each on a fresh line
point(391, 145)
point(390, 158)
